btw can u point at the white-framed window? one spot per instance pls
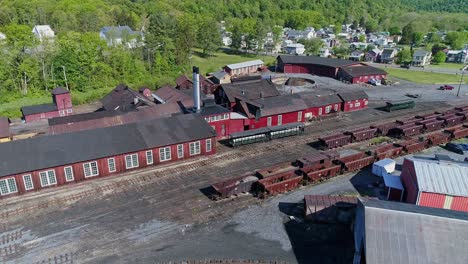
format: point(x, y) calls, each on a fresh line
point(280, 120)
point(336, 107)
point(226, 116)
point(328, 109)
point(207, 119)
point(149, 157)
point(131, 161)
point(111, 164)
point(320, 111)
point(165, 154)
point(357, 104)
point(366, 102)
point(299, 116)
point(208, 145)
point(28, 183)
point(68, 173)
point(8, 186)
point(269, 121)
point(47, 178)
point(180, 151)
point(69, 111)
point(90, 169)
point(194, 148)
point(62, 112)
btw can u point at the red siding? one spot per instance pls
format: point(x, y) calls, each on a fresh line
point(320, 111)
point(287, 118)
point(312, 69)
point(40, 116)
point(366, 78)
point(408, 178)
point(431, 200)
point(63, 101)
point(78, 171)
point(351, 105)
point(460, 204)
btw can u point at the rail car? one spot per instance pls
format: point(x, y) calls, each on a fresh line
point(265, 134)
point(399, 105)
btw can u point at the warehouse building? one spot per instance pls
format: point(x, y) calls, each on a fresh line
point(353, 100)
point(392, 232)
point(54, 160)
point(244, 68)
point(360, 73)
point(436, 183)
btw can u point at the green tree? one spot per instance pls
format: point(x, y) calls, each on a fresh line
point(417, 38)
point(456, 40)
point(407, 34)
point(312, 46)
point(439, 57)
point(394, 31)
point(362, 38)
point(404, 57)
point(208, 38)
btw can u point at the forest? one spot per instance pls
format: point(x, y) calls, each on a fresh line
point(174, 31)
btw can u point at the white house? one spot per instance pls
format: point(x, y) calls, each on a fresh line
point(43, 32)
point(457, 56)
point(115, 36)
point(421, 58)
point(324, 52)
point(2, 36)
point(296, 48)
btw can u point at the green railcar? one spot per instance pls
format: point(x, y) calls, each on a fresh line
point(399, 105)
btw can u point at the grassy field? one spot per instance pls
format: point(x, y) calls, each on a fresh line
point(220, 59)
point(424, 77)
point(452, 66)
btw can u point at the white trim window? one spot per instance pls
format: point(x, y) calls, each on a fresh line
point(149, 157)
point(328, 109)
point(47, 178)
point(165, 154)
point(366, 102)
point(131, 161)
point(194, 148)
point(28, 183)
point(320, 111)
point(299, 116)
point(8, 186)
point(208, 145)
point(180, 151)
point(68, 173)
point(269, 121)
point(111, 164)
point(358, 104)
point(69, 111)
point(280, 120)
point(90, 169)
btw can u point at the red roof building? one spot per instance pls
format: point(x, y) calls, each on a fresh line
point(61, 106)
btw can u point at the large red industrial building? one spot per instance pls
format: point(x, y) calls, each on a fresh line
point(434, 183)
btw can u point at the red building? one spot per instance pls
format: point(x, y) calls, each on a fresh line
point(353, 100)
point(352, 71)
point(221, 119)
point(185, 83)
point(124, 98)
point(360, 73)
point(320, 104)
point(61, 106)
point(244, 68)
point(434, 183)
point(48, 161)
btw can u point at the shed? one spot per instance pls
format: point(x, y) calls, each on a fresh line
point(393, 183)
point(381, 167)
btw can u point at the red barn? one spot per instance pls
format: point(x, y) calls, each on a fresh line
point(320, 104)
point(327, 67)
point(61, 106)
point(434, 183)
point(360, 73)
point(353, 100)
point(48, 161)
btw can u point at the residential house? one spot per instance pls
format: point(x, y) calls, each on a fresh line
point(121, 35)
point(226, 38)
point(296, 48)
point(358, 45)
point(61, 106)
point(5, 134)
point(43, 32)
point(373, 55)
point(308, 33)
point(388, 56)
point(325, 52)
point(356, 55)
point(457, 56)
point(421, 58)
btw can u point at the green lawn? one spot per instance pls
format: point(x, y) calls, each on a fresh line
point(452, 66)
point(424, 77)
point(220, 59)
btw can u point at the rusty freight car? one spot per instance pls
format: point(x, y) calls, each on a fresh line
point(282, 168)
point(316, 161)
point(407, 130)
point(319, 175)
point(335, 141)
point(389, 150)
point(458, 132)
point(383, 129)
point(277, 184)
point(451, 120)
point(233, 187)
point(438, 138)
point(362, 134)
point(414, 145)
point(431, 124)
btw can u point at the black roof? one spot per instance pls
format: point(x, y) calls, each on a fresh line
point(43, 152)
point(59, 90)
point(251, 90)
point(312, 100)
point(37, 109)
point(361, 70)
point(353, 95)
point(213, 110)
point(82, 117)
point(329, 62)
point(122, 98)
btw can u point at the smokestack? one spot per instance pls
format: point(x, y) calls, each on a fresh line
point(196, 89)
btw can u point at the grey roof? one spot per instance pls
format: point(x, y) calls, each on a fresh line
point(244, 64)
point(213, 109)
point(122, 98)
point(219, 74)
point(37, 153)
point(353, 95)
point(37, 109)
point(250, 89)
point(59, 90)
point(81, 117)
point(405, 233)
point(421, 53)
point(388, 52)
point(312, 100)
point(169, 94)
point(362, 70)
point(441, 176)
point(329, 62)
point(280, 105)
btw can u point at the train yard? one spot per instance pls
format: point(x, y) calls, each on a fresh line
point(86, 222)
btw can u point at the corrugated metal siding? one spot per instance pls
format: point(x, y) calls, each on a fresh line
point(460, 204)
point(431, 200)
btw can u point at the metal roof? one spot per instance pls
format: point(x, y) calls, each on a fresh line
point(59, 90)
point(37, 109)
point(362, 70)
point(328, 62)
point(393, 232)
point(169, 94)
point(353, 95)
point(43, 152)
point(252, 90)
point(244, 64)
point(441, 177)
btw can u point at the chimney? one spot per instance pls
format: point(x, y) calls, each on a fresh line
point(196, 89)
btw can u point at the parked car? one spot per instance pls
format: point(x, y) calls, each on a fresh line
point(413, 95)
point(406, 66)
point(375, 82)
point(459, 148)
point(446, 87)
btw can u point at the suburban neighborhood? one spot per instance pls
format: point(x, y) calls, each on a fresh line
point(161, 132)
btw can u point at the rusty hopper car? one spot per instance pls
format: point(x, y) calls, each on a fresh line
point(232, 187)
point(414, 145)
point(276, 184)
point(462, 108)
point(458, 132)
point(314, 162)
point(335, 141)
point(352, 157)
point(464, 114)
point(451, 120)
point(358, 164)
point(319, 175)
point(408, 121)
point(387, 151)
point(438, 138)
point(408, 130)
point(362, 134)
point(329, 209)
point(431, 124)
point(429, 116)
point(283, 168)
point(383, 129)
